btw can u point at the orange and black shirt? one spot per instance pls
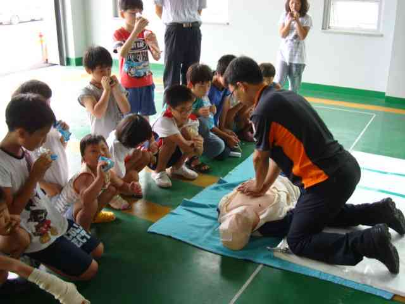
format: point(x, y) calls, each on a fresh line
point(298, 140)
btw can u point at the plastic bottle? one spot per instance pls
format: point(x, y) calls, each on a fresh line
point(65, 133)
point(109, 164)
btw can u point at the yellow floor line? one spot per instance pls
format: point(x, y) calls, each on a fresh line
point(399, 299)
point(203, 180)
point(355, 105)
point(147, 210)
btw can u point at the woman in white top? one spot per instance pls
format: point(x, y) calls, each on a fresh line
point(295, 24)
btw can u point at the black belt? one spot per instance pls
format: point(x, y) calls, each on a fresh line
point(185, 24)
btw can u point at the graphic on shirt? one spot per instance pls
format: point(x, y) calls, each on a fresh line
point(77, 235)
point(38, 223)
point(137, 62)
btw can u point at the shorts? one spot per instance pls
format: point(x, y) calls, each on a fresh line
point(173, 159)
point(70, 253)
point(142, 100)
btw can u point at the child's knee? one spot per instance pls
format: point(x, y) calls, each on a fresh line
point(90, 272)
point(98, 252)
point(169, 144)
point(131, 176)
point(111, 190)
point(145, 159)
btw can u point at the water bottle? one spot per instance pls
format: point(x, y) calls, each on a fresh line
point(109, 164)
point(65, 133)
point(43, 150)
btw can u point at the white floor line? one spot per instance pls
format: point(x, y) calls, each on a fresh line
point(344, 110)
point(362, 132)
point(236, 297)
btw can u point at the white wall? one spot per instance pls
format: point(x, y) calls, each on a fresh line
point(396, 87)
point(75, 24)
point(354, 61)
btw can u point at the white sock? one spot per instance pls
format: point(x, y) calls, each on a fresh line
point(63, 291)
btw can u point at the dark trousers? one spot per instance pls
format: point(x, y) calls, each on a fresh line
point(182, 49)
point(325, 205)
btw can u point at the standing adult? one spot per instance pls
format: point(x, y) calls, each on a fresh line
point(182, 37)
point(290, 136)
point(295, 24)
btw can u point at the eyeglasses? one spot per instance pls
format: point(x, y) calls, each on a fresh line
point(184, 111)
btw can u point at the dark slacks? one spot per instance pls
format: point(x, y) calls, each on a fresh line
point(325, 205)
point(182, 49)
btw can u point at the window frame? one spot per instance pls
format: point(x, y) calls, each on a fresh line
point(355, 31)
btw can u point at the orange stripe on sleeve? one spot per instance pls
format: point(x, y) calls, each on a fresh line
point(293, 148)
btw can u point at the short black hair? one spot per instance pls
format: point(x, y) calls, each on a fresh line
point(198, 73)
point(125, 5)
point(97, 56)
point(243, 69)
point(223, 63)
point(268, 70)
point(90, 139)
point(29, 112)
point(132, 130)
point(178, 94)
point(36, 87)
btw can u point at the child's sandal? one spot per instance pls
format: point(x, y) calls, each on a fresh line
point(200, 168)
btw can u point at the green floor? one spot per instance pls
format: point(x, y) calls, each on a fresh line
point(139, 267)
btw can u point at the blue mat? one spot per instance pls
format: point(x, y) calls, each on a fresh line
point(195, 222)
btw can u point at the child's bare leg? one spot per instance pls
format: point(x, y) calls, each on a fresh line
point(104, 198)
point(141, 163)
point(182, 160)
point(85, 213)
point(165, 152)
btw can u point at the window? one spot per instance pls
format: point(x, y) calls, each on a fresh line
point(216, 12)
point(353, 16)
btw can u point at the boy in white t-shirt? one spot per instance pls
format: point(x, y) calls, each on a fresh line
point(9, 228)
point(104, 98)
point(131, 147)
point(57, 175)
point(61, 245)
point(172, 133)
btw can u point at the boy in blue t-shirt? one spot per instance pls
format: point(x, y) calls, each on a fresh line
point(199, 78)
point(219, 96)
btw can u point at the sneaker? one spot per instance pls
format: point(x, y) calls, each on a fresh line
point(104, 217)
point(393, 217)
point(385, 252)
point(184, 172)
point(119, 203)
point(162, 179)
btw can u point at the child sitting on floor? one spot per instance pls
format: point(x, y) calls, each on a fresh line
point(10, 227)
point(57, 176)
point(175, 142)
point(104, 98)
point(128, 152)
point(199, 78)
point(56, 242)
point(93, 187)
point(268, 72)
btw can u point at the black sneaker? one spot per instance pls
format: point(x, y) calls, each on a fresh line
point(18, 285)
point(394, 217)
point(385, 251)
